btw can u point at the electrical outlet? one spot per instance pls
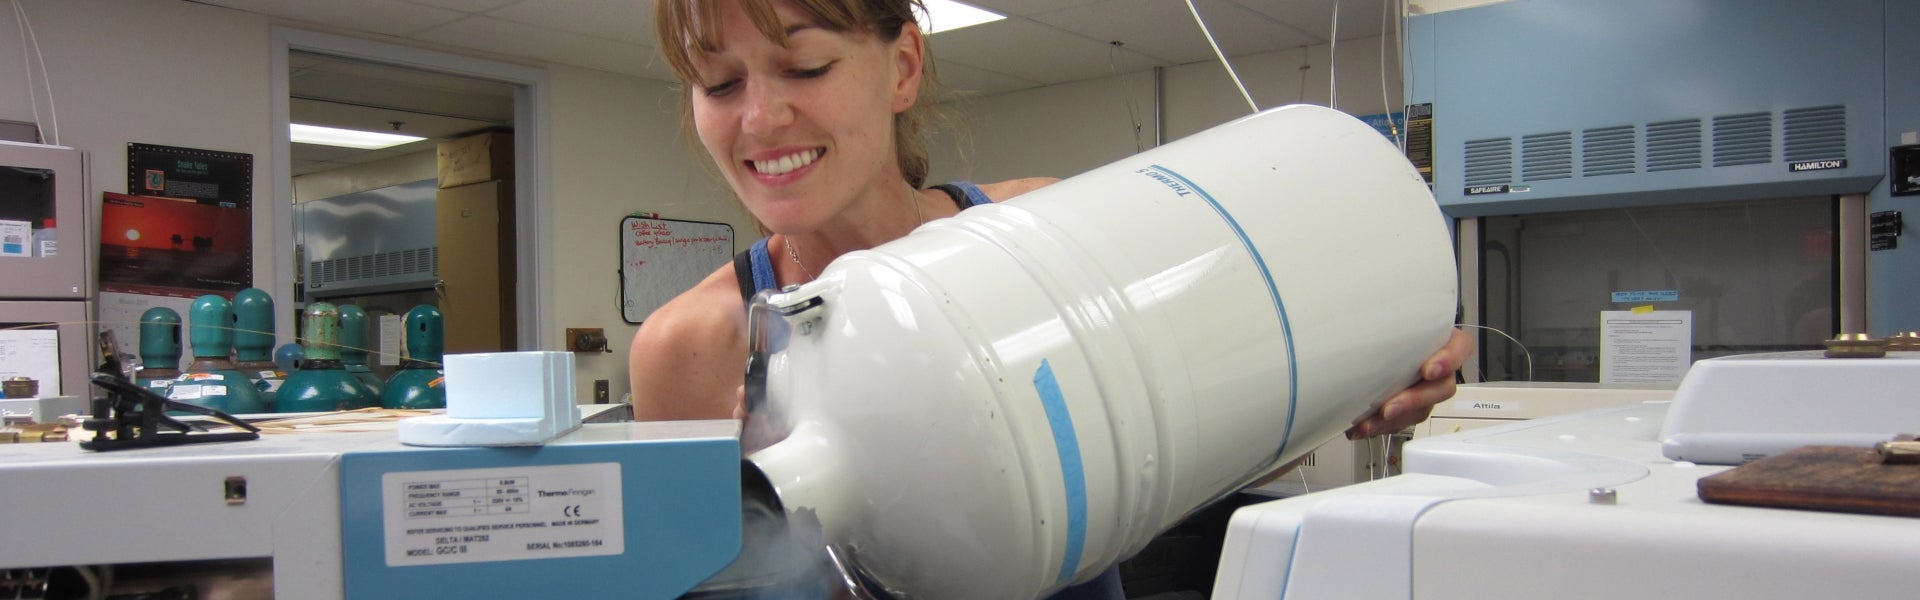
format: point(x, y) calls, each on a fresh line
point(601, 395)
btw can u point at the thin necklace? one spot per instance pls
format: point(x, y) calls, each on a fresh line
point(919, 216)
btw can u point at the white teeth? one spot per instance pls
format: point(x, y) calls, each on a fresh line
point(786, 163)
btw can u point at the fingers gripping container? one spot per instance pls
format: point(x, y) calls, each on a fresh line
point(1007, 402)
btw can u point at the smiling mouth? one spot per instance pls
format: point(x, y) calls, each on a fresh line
point(786, 164)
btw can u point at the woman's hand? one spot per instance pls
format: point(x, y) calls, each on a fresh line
point(1414, 404)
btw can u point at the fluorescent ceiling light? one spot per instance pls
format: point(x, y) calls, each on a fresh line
point(948, 15)
point(347, 138)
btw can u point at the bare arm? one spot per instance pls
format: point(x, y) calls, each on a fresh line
point(1001, 191)
point(689, 358)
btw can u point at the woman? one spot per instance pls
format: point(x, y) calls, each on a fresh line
point(810, 110)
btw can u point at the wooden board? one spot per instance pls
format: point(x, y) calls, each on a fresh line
point(1829, 478)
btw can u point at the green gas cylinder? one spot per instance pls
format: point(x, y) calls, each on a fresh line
point(159, 349)
point(253, 341)
point(420, 382)
point(211, 380)
point(354, 339)
point(323, 384)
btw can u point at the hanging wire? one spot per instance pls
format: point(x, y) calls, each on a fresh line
point(1523, 347)
point(1400, 47)
point(1306, 64)
point(1333, 65)
point(1386, 102)
point(26, 57)
point(1126, 92)
point(26, 25)
point(1223, 57)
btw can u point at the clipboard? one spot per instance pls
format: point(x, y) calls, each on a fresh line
point(661, 258)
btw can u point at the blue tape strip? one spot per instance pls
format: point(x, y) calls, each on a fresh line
point(1071, 472)
point(1286, 327)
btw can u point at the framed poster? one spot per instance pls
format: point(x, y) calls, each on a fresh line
point(223, 179)
point(173, 247)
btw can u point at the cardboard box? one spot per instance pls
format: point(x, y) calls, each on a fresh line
point(475, 158)
point(475, 228)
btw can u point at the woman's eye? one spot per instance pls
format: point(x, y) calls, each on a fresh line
point(813, 72)
point(721, 89)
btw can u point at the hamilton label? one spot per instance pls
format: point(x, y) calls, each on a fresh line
point(490, 515)
point(1816, 165)
point(1477, 190)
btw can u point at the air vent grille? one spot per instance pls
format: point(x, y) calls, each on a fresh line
point(1818, 133)
point(1546, 156)
point(1673, 145)
point(1745, 139)
point(1607, 151)
point(1489, 161)
point(352, 269)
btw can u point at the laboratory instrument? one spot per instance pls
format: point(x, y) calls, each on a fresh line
point(1586, 505)
point(1012, 400)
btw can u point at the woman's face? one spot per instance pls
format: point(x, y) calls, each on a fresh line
point(803, 131)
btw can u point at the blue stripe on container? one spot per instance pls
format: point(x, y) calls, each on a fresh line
point(1072, 474)
point(1279, 307)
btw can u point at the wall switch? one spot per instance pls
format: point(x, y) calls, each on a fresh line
point(587, 339)
point(601, 395)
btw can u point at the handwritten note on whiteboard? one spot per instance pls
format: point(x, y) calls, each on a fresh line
point(660, 258)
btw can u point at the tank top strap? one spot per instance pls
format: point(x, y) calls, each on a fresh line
point(965, 194)
point(753, 270)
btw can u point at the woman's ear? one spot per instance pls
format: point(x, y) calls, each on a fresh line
point(909, 64)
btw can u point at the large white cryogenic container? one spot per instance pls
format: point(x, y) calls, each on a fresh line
point(1009, 401)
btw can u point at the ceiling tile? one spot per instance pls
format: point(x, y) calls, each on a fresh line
point(408, 77)
point(487, 33)
point(1042, 42)
point(1035, 52)
point(467, 6)
point(623, 20)
point(965, 81)
point(324, 153)
point(1165, 30)
point(1029, 7)
point(1357, 19)
point(386, 17)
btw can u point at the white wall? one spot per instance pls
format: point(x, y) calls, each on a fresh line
point(166, 73)
point(184, 74)
point(617, 149)
point(1062, 130)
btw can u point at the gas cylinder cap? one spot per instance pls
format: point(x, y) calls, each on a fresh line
point(802, 307)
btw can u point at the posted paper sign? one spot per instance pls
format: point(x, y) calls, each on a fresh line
point(16, 238)
point(1645, 347)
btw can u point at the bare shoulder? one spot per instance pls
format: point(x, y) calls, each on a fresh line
point(689, 357)
point(1001, 191)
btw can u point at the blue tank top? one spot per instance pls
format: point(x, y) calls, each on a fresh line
point(753, 269)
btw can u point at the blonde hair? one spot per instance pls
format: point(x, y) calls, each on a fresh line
point(686, 27)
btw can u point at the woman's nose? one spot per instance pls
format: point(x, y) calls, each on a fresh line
point(768, 108)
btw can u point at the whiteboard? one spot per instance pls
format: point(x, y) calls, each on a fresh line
point(660, 258)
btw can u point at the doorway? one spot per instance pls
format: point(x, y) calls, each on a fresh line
point(328, 80)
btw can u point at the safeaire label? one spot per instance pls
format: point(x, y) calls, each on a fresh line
point(509, 513)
